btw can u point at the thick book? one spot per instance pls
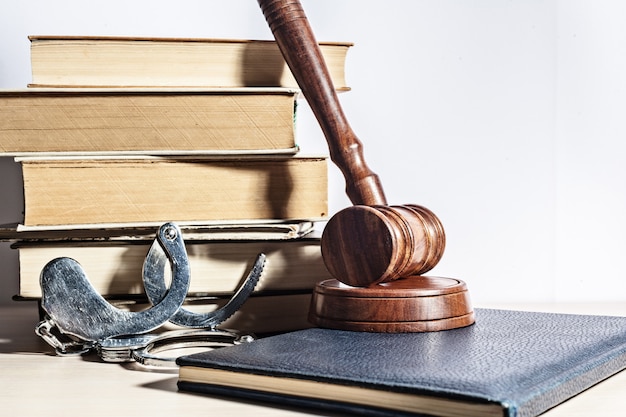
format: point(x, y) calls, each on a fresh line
point(178, 62)
point(114, 267)
point(510, 363)
point(90, 190)
point(150, 120)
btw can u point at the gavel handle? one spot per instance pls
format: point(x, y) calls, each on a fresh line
point(294, 36)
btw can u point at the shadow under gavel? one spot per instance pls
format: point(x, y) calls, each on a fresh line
point(376, 252)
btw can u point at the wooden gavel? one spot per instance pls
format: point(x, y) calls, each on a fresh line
point(370, 242)
point(376, 252)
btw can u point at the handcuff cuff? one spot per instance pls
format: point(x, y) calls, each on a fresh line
point(79, 320)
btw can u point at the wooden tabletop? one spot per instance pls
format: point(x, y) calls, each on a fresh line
point(35, 382)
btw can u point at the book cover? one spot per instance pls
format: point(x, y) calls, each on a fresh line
point(510, 363)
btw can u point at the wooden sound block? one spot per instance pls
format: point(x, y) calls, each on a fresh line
point(413, 304)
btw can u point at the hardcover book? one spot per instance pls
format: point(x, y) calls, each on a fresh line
point(148, 120)
point(509, 363)
point(91, 61)
point(218, 267)
point(130, 189)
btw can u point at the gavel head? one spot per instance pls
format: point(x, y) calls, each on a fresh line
point(367, 245)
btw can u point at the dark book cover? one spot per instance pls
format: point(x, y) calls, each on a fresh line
point(510, 363)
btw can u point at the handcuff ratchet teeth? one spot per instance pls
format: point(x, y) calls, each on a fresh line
point(78, 319)
point(156, 290)
point(78, 310)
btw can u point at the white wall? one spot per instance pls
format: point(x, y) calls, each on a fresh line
point(591, 151)
point(503, 117)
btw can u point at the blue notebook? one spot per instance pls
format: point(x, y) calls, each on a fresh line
point(509, 363)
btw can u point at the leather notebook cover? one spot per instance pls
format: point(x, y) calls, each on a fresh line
point(509, 363)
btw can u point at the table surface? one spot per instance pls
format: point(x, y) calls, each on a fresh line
point(36, 382)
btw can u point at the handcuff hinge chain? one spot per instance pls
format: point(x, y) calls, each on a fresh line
point(51, 334)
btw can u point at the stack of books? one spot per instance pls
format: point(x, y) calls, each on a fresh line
point(116, 136)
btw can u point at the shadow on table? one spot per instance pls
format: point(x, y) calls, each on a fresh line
point(17, 330)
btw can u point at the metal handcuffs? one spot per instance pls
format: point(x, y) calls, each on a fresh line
point(79, 320)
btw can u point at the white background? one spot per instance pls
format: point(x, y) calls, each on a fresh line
point(504, 117)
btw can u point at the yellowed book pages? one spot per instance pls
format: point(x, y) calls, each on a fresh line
point(168, 121)
point(217, 268)
point(124, 61)
point(60, 191)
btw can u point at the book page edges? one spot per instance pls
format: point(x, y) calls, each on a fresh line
point(324, 391)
